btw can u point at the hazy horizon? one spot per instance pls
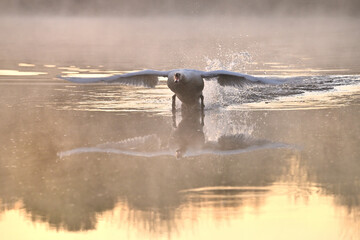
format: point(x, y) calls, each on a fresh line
point(180, 8)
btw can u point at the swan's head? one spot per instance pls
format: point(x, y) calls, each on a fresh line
point(180, 152)
point(177, 77)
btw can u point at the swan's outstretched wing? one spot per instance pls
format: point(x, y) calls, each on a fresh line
point(146, 78)
point(227, 78)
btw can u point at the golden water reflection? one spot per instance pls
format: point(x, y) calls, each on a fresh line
point(308, 192)
point(277, 211)
point(20, 73)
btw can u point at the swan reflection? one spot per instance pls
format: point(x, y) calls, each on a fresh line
point(142, 186)
point(187, 139)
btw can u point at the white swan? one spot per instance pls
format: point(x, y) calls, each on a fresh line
point(187, 84)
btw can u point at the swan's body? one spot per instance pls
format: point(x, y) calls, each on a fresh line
point(187, 84)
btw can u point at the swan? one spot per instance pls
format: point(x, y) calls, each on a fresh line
point(186, 84)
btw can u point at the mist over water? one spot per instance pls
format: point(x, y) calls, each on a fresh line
point(82, 161)
point(182, 8)
point(274, 45)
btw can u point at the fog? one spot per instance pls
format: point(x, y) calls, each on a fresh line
point(244, 44)
point(175, 7)
point(235, 35)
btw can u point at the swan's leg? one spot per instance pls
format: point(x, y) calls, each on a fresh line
point(202, 102)
point(173, 102)
point(202, 117)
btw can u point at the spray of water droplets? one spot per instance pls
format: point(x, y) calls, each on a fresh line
point(218, 96)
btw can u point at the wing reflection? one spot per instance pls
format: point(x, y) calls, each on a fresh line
point(187, 140)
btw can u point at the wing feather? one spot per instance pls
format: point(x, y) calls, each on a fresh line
point(227, 78)
point(147, 78)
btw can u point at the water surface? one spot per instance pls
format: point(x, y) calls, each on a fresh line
point(94, 161)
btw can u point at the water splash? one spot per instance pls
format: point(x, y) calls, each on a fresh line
point(224, 122)
point(231, 61)
point(217, 96)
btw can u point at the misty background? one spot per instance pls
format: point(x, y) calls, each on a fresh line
point(175, 7)
point(246, 36)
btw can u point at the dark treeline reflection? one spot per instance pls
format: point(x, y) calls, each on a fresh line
point(176, 7)
point(330, 157)
point(70, 192)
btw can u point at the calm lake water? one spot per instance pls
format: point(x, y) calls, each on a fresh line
point(99, 161)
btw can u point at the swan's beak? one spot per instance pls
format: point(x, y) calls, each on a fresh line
point(179, 154)
point(176, 77)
